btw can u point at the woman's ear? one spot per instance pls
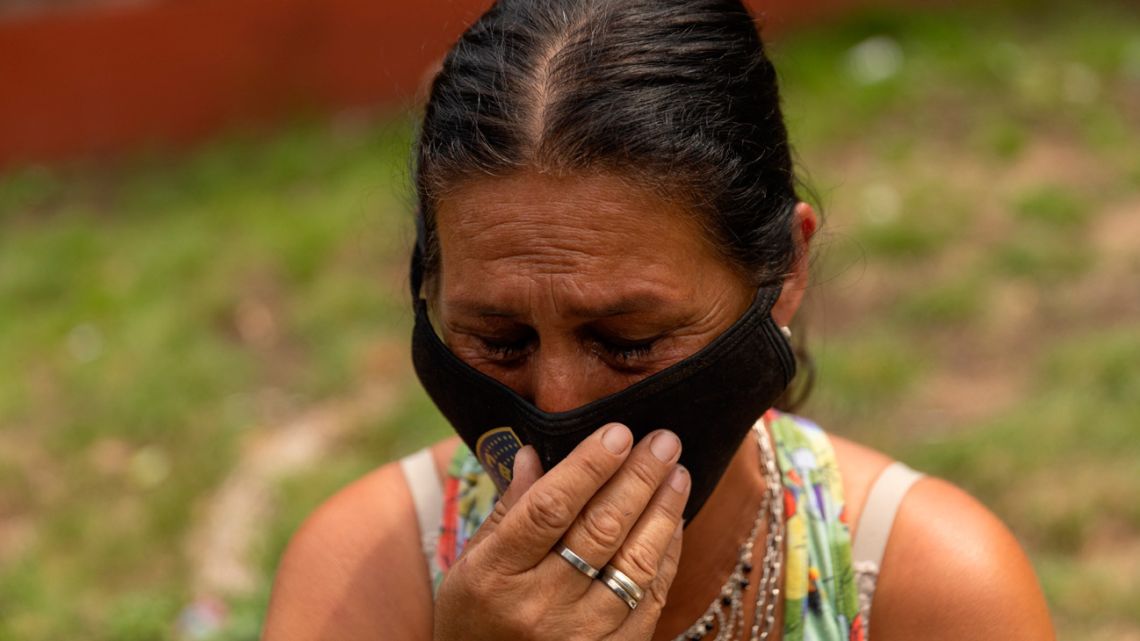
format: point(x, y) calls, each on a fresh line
point(804, 224)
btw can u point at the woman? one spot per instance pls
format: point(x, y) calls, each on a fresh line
point(609, 245)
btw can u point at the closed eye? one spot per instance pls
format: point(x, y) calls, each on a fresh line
point(632, 355)
point(628, 351)
point(505, 350)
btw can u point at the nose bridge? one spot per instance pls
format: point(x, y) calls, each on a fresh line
point(561, 377)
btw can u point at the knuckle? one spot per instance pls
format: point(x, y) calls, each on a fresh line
point(586, 634)
point(658, 594)
point(672, 556)
point(644, 472)
point(602, 524)
point(529, 616)
point(550, 509)
point(596, 468)
point(667, 503)
point(517, 611)
point(466, 593)
point(588, 626)
point(474, 582)
point(671, 506)
point(641, 561)
point(497, 514)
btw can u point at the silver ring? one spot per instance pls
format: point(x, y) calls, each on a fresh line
point(578, 562)
point(622, 585)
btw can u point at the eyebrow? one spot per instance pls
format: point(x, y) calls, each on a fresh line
point(629, 304)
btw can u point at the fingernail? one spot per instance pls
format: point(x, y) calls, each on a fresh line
point(679, 479)
point(518, 460)
point(616, 438)
point(665, 446)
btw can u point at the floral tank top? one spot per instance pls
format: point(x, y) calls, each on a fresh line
point(820, 590)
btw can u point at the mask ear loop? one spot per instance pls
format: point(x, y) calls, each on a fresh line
point(416, 269)
point(416, 274)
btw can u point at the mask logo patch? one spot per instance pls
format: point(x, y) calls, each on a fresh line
point(496, 451)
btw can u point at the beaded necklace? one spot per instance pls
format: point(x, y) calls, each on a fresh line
point(726, 612)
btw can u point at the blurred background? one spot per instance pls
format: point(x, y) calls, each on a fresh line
point(204, 225)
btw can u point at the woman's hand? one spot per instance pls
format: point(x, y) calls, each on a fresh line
point(606, 503)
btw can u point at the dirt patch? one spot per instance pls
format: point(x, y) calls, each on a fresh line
point(1054, 161)
point(17, 533)
point(1107, 294)
point(1116, 233)
point(949, 399)
point(222, 543)
point(1014, 306)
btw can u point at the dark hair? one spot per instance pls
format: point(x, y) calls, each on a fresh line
point(676, 94)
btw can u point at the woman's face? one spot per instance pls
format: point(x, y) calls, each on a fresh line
point(570, 289)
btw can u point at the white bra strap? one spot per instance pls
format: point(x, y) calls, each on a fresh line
point(427, 496)
point(879, 513)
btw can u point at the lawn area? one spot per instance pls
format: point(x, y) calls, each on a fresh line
point(198, 348)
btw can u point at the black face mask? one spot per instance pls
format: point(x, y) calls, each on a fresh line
point(710, 400)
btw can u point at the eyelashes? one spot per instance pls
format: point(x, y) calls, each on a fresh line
point(628, 352)
point(504, 350)
point(507, 346)
point(621, 352)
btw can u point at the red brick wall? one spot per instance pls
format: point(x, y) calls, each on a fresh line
point(108, 77)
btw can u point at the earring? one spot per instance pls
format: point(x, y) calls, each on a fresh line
point(786, 331)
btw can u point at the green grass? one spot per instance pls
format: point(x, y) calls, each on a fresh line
point(160, 314)
point(129, 358)
point(958, 302)
point(867, 374)
point(1051, 205)
point(1045, 257)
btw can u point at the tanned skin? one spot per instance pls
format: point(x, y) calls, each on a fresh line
point(566, 272)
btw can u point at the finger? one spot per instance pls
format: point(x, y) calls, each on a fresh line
point(527, 469)
point(541, 515)
point(641, 623)
point(602, 526)
point(641, 555)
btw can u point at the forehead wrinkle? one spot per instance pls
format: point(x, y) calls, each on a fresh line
point(601, 202)
point(584, 243)
point(544, 247)
point(559, 223)
point(527, 244)
point(566, 296)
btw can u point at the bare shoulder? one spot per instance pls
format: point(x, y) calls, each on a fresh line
point(951, 570)
point(355, 568)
